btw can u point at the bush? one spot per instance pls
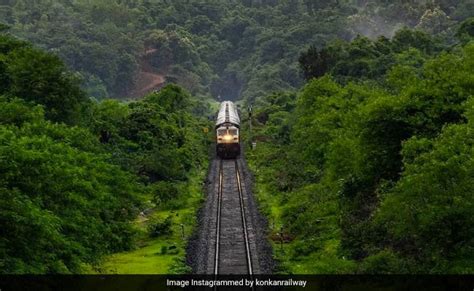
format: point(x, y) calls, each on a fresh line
point(384, 262)
point(62, 204)
point(164, 191)
point(158, 227)
point(164, 250)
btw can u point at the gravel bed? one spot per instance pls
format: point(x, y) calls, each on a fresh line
point(201, 246)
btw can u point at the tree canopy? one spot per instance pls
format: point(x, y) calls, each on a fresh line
point(75, 173)
point(220, 48)
point(374, 175)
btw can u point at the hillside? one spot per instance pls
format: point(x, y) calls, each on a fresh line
point(359, 147)
point(233, 49)
point(367, 168)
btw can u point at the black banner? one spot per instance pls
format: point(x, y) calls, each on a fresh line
point(260, 282)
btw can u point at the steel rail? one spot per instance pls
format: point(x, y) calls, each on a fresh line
point(218, 222)
point(244, 221)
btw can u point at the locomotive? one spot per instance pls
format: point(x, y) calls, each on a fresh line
point(227, 131)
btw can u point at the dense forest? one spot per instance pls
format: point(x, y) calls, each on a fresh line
point(233, 49)
point(363, 117)
point(369, 168)
point(74, 172)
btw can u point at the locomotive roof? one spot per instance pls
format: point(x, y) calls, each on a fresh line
point(228, 113)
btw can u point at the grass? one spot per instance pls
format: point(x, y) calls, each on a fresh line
point(270, 205)
point(146, 260)
point(290, 259)
point(163, 254)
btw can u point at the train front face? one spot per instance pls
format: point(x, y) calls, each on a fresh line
point(228, 141)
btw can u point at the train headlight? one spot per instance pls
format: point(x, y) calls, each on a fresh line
point(227, 137)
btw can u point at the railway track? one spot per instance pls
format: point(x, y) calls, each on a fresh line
point(232, 247)
point(231, 237)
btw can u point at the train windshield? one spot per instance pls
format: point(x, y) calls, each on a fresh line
point(231, 131)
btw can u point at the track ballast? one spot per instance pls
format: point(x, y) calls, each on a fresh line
point(232, 250)
point(232, 235)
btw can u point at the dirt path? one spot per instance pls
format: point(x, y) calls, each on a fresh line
point(147, 82)
point(147, 78)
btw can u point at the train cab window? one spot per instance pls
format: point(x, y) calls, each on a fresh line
point(233, 131)
point(221, 131)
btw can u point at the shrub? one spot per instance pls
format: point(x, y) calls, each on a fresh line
point(158, 227)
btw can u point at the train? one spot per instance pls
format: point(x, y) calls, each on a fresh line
point(228, 131)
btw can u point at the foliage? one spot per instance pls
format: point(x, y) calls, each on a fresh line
point(367, 169)
point(227, 49)
point(378, 158)
point(364, 58)
point(159, 228)
point(466, 30)
point(75, 173)
point(42, 78)
point(435, 228)
point(63, 203)
point(148, 258)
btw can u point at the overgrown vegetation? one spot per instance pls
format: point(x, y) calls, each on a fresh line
point(76, 173)
point(163, 233)
point(232, 49)
point(366, 169)
point(370, 163)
